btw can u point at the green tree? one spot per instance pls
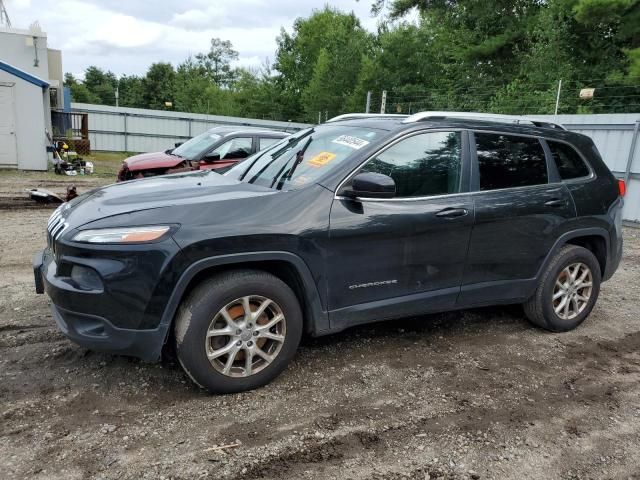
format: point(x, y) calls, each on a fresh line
point(131, 92)
point(79, 92)
point(257, 95)
point(319, 95)
point(216, 63)
point(344, 43)
point(101, 84)
point(159, 86)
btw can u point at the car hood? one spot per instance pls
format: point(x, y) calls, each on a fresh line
point(145, 161)
point(157, 192)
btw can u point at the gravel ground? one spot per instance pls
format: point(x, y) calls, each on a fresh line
point(472, 394)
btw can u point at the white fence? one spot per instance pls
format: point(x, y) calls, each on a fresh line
point(137, 130)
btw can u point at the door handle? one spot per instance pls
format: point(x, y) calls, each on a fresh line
point(452, 212)
point(555, 202)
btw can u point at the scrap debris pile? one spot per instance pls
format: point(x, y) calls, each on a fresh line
point(67, 162)
point(40, 195)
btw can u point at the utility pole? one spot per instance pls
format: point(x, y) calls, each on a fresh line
point(368, 107)
point(383, 105)
point(117, 91)
point(558, 96)
point(319, 117)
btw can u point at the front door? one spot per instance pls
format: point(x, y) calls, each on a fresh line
point(227, 154)
point(518, 216)
point(8, 151)
point(403, 256)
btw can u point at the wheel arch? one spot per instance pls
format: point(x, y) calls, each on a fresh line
point(287, 266)
point(594, 239)
point(596, 244)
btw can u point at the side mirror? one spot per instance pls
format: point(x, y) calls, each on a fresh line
point(372, 185)
point(212, 157)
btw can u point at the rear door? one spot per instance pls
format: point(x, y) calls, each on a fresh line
point(402, 256)
point(8, 151)
point(520, 210)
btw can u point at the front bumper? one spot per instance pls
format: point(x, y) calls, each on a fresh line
point(91, 330)
point(97, 333)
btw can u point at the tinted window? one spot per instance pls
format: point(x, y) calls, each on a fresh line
point(233, 149)
point(568, 161)
point(507, 161)
point(267, 142)
point(422, 165)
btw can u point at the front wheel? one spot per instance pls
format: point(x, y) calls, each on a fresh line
point(567, 291)
point(238, 330)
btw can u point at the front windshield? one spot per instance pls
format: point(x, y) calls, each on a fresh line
point(304, 157)
point(192, 148)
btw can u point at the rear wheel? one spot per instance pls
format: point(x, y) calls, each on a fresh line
point(238, 330)
point(567, 291)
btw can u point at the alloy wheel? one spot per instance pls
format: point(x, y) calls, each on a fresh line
point(245, 336)
point(572, 290)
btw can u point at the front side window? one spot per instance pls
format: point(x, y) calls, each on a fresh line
point(422, 165)
point(233, 149)
point(570, 164)
point(507, 161)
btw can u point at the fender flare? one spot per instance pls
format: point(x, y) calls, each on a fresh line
point(318, 318)
point(565, 237)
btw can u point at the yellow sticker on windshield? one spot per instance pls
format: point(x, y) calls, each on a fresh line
point(322, 159)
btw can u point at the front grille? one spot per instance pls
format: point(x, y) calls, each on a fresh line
point(55, 226)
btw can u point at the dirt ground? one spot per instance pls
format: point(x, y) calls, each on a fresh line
point(473, 394)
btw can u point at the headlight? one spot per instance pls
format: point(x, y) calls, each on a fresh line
point(122, 235)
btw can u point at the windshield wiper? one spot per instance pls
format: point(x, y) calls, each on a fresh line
point(298, 161)
point(275, 155)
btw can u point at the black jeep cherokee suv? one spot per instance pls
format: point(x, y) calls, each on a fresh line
point(352, 221)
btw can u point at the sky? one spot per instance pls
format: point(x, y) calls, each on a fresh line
point(126, 36)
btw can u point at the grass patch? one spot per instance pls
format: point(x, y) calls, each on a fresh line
point(105, 165)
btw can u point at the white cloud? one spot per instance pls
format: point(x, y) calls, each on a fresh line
point(126, 37)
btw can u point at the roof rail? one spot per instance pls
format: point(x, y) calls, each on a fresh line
point(353, 116)
point(488, 117)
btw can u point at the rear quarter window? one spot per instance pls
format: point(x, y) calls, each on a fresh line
point(568, 161)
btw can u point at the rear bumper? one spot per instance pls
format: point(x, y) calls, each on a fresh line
point(97, 333)
point(613, 262)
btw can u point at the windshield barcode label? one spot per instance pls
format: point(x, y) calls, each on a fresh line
point(349, 141)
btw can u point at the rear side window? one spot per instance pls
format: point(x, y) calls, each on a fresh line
point(507, 161)
point(267, 142)
point(422, 165)
point(570, 164)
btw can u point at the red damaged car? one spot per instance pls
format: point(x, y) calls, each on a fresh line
point(217, 149)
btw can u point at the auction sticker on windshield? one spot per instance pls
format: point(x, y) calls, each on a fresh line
point(322, 159)
point(349, 141)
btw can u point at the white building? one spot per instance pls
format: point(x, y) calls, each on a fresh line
point(30, 85)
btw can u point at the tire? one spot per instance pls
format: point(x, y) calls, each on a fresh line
point(201, 315)
point(540, 309)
